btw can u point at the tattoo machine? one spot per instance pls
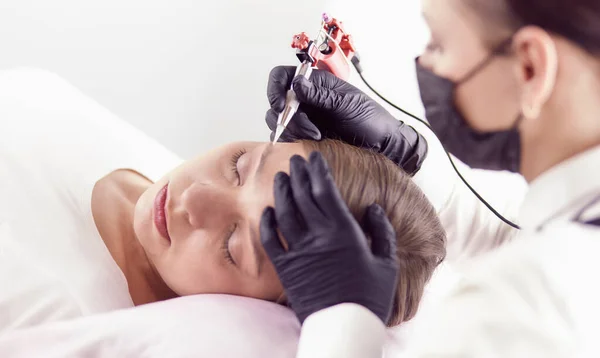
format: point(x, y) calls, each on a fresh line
point(332, 51)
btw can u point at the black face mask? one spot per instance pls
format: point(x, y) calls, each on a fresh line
point(498, 150)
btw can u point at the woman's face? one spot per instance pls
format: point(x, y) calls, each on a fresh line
point(213, 208)
point(489, 100)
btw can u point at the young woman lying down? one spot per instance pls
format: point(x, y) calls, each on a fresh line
point(96, 227)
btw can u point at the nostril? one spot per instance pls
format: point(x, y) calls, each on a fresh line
point(192, 219)
point(206, 204)
point(187, 205)
point(195, 201)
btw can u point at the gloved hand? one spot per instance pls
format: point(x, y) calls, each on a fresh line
point(328, 260)
point(333, 108)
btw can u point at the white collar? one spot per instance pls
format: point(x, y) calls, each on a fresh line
point(574, 180)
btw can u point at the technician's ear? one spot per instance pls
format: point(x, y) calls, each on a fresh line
point(537, 65)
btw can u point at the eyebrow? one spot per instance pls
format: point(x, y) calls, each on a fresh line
point(258, 253)
point(263, 158)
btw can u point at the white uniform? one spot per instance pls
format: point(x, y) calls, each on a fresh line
point(535, 296)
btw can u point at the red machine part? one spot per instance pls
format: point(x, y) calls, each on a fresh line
point(340, 49)
point(301, 41)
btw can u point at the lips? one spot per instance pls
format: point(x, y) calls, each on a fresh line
point(160, 213)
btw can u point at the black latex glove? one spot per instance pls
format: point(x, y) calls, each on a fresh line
point(328, 260)
point(333, 108)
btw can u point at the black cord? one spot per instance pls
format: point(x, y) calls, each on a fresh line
point(355, 61)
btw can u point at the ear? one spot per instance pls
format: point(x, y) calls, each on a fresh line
point(537, 66)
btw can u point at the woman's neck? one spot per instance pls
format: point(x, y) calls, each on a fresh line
point(569, 123)
point(559, 140)
point(113, 206)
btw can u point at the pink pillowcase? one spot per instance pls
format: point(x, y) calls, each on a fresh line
point(199, 326)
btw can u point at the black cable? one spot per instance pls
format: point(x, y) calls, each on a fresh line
point(355, 61)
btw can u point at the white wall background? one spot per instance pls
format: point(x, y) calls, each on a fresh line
point(193, 73)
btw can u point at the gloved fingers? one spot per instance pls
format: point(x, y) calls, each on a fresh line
point(300, 127)
point(269, 236)
point(316, 95)
point(382, 233)
point(300, 181)
point(288, 217)
point(324, 190)
point(280, 80)
point(271, 119)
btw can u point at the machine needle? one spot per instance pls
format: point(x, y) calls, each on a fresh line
point(291, 102)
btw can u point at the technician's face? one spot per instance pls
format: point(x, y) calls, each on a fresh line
point(489, 100)
point(213, 209)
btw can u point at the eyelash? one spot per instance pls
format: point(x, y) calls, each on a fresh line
point(226, 253)
point(225, 248)
point(234, 160)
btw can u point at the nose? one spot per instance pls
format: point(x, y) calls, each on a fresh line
point(207, 205)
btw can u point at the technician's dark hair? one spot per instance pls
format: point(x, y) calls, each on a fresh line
point(575, 20)
point(364, 177)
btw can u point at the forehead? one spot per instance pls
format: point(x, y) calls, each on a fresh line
point(278, 158)
point(481, 17)
point(455, 28)
point(452, 18)
point(439, 9)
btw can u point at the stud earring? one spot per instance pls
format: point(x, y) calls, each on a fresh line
point(531, 111)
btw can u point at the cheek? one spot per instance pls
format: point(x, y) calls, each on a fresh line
point(488, 101)
point(273, 288)
point(192, 268)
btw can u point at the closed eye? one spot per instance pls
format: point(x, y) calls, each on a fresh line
point(225, 248)
point(234, 162)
